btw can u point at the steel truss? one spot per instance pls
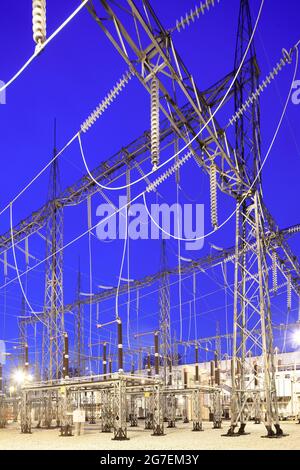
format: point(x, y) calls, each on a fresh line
point(25, 413)
point(149, 51)
point(53, 318)
point(106, 410)
point(196, 410)
point(119, 404)
point(252, 313)
point(157, 410)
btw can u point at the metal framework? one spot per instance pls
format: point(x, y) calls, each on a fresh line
point(52, 347)
point(164, 322)
point(149, 51)
point(251, 285)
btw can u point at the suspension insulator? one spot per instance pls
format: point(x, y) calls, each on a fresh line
point(39, 21)
point(289, 293)
point(274, 271)
point(128, 189)
point(213, 196)
point(155, 123)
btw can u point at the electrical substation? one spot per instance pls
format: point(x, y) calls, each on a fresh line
point(208, 344)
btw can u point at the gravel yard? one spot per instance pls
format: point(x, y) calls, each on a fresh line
point(179, 438)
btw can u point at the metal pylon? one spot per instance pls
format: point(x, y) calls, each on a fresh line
point(164, 320)
point(52, 349)
point(251, 292)
point(252, 326)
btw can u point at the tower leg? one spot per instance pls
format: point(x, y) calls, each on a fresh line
point(25, 414)
point(157, 410)
point(196, 410)
point(120, 425)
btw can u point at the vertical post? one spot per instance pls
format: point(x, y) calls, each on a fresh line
point(217, 370)
point(257, 395)
point(212, 373)
point(196, 364)
point(110, 367)
point(1, 379)
point(26, 363)
point(66, 357)
point(156, 355)
point(149, 364)
point(185, 382)
point(217, 408)
point(104, 361)
point(170, 372)
point(2, 407)
point(120, 346)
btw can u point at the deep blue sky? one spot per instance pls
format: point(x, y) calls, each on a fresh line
point(67, 81)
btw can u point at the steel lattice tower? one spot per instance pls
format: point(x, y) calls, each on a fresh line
point(164, 320)
point(52, 349)
point(251, 293)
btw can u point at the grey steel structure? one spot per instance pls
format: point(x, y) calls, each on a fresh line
point(152, 55)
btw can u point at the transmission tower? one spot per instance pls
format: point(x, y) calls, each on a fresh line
point(164, 320)
point(52, 348)
point(251, 293)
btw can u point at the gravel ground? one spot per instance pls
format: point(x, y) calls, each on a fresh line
point(179, 438)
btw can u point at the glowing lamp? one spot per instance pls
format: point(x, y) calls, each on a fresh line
point(19, 377)
point(296, 337)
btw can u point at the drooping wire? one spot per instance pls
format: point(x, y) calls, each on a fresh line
point(123, 259)
point(17, 269)
point(202, 128)
point(252, 184)
point(257, 20)
point(36, 53)
point(171, 158)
